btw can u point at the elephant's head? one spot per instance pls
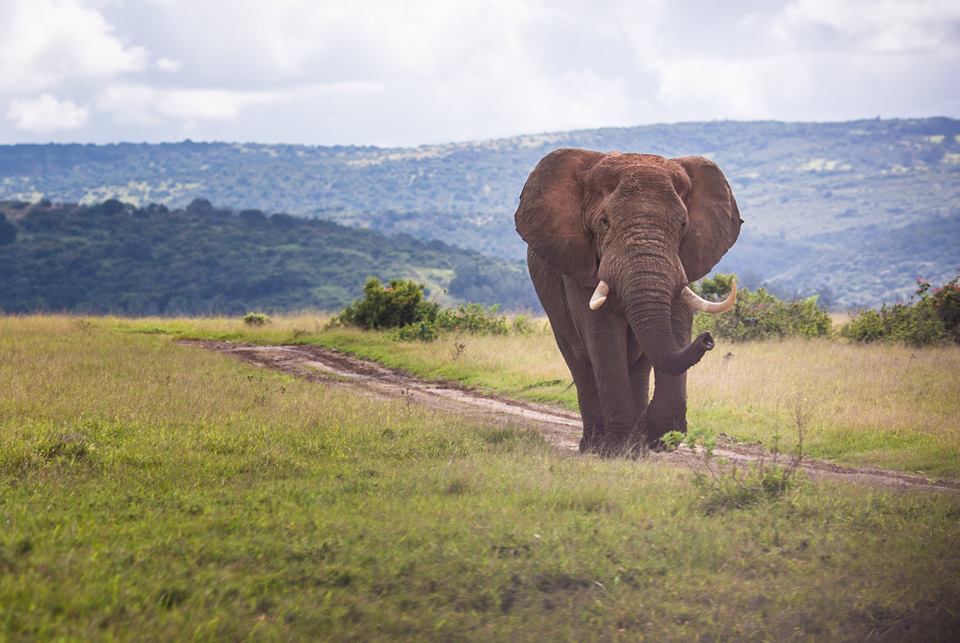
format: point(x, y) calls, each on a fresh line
point(638, 228)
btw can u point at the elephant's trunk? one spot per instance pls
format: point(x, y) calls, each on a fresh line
point(648, 299)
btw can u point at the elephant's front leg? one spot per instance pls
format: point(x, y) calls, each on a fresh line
point(668, 409)
point(605, 340)
point(551, 291)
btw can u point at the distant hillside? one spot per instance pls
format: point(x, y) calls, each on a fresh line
point(852, 210)
point(112, 258)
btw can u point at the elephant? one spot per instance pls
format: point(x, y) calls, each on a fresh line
point(613, 242)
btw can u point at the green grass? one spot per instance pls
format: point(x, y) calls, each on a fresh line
point(886, 406)
point(150, 490)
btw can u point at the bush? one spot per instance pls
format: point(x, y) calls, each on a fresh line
point(395, 306)
point(256, 319)
point(401, 305)
point(476, 319)
point(933, 318)
point(424, 331)
point(759, 315)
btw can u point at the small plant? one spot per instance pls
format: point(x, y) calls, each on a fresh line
point(521, 325)
point(256, 319)
point(733, 485)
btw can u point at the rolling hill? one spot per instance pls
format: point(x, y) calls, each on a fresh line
point(118, 259)
point(853, 211)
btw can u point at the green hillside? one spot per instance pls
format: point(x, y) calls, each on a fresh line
point(115, 258)
point(853, 210)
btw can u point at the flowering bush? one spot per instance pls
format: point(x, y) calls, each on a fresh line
point(946, 301)
point(934, 317)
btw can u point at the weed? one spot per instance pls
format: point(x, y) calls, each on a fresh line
point(733, 485)
point(256, 319)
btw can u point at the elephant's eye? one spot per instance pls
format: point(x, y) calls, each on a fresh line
point(604, 222)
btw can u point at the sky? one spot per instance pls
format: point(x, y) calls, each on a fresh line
point(411, 72)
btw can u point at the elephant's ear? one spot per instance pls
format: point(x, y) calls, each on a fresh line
point(550, 214)
point(714, 219)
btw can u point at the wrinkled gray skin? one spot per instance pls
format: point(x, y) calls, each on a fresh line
point(647, 226)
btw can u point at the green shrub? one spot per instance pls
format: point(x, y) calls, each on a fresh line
point(475, 319)
point(256, 319)
point(934, 317)
point(759, 315)
point(401, 305)
point(397, 305)
point(424, 331)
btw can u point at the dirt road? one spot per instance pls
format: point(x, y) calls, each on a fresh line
point(561, 428)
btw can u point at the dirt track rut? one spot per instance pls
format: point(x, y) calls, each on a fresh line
point(561, 428)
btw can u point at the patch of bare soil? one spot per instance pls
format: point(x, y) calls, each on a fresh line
point(561, 428)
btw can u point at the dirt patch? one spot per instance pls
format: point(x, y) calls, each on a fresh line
point(561, 428)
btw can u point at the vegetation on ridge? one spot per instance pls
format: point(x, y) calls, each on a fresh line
point(114, 258)
point(829, 207)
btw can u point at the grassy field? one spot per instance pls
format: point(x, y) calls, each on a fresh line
point(888, 406)
point(155, 491)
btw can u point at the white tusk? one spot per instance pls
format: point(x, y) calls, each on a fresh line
point(599, 295)
point(696, 302)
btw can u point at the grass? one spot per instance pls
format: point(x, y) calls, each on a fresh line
point(155, 491)
point(880, 405)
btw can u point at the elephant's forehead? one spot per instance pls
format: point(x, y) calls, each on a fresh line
point(641, 171)
point(637, 165)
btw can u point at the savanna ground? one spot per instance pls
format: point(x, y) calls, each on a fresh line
point(154, 490)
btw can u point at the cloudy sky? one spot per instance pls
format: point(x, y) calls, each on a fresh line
point(410, 72)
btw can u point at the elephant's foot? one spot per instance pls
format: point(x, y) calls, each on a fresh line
point(589, 445)
point(591, 440)
point(622, 444)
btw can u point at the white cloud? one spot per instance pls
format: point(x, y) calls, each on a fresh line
point(167, 64)
point(143, 104)
point(46, 42)
point(382, 72)
point(877, 26)
point(46, 113)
